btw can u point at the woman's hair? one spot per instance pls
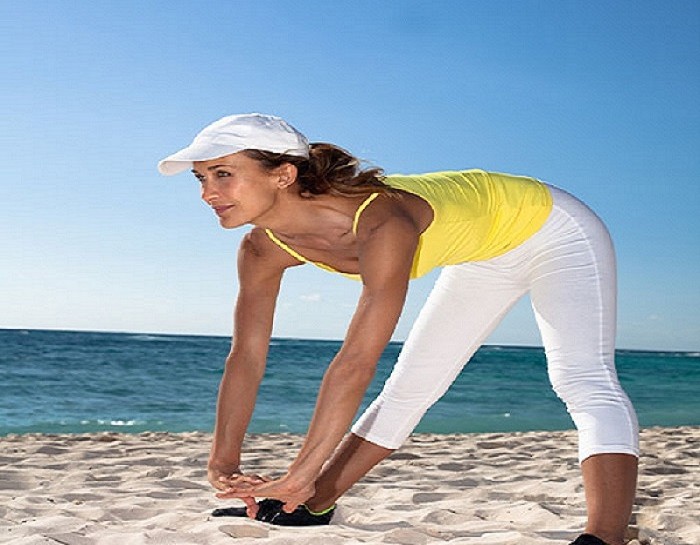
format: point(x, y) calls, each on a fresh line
point(329, 169)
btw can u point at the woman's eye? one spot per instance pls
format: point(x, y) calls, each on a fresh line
point(222, 173)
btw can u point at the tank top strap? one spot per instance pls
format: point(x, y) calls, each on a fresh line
point(286, 248)
point(361, 209)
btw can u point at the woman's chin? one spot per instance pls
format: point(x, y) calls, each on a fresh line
point(228, 223)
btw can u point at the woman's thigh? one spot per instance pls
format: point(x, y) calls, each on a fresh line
point(573, 293)
point(466, 304)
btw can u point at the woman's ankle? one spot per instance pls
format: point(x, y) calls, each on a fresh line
point(608, 537)
point(319, 505)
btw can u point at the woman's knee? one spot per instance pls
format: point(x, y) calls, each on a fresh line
point(585, 385)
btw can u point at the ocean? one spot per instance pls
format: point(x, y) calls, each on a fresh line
point(81, 382)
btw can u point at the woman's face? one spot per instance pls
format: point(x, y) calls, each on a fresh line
point(238, 188)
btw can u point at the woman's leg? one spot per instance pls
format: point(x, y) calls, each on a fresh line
point(466, 304)
point(573, 293)
point(610, 483)
point(351, 461)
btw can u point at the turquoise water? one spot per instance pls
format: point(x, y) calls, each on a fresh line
point(76, 382)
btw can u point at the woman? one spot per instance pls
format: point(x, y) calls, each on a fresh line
point(497, 237)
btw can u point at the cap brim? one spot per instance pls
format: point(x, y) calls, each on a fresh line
point(183, 159)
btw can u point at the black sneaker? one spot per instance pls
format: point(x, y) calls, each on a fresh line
point(588, 539)
point(270, 511)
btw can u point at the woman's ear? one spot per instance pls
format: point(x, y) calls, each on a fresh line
point(287, 175)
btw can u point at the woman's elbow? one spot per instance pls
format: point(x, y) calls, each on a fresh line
point(356, 372)
point(239, 367)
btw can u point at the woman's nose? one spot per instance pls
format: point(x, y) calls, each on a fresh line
point(207, 192)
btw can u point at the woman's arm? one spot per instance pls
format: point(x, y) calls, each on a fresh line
point(385, 265)
point(386, 256)
point(260, 269)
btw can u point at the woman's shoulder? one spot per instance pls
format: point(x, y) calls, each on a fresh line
point(258, 246)
point(398, 209)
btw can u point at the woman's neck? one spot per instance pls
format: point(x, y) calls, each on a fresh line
point(297, 216)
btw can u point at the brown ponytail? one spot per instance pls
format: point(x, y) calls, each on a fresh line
point(329, 169)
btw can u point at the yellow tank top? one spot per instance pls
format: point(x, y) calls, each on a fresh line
point(477, 215)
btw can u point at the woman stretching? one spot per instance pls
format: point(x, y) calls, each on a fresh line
point(497, 238)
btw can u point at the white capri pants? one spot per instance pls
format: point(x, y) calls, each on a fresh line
point(568, 267)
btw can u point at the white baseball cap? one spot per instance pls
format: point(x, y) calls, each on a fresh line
point(235, 133)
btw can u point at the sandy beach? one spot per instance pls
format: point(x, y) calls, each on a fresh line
point(486, 489)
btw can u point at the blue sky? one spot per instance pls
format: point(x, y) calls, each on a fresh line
point(600, 98)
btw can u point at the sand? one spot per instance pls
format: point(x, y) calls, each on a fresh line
point(486, 489)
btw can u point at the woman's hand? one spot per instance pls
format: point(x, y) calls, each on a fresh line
point(289, 490)
point(224, 477)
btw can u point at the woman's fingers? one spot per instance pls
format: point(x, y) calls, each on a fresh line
point(240, 492)
point(254, 479)
point(218, 479)
point(251, 506)
point(219, 484)
point(292, 497)
point(240, 488)
point(239, 480)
